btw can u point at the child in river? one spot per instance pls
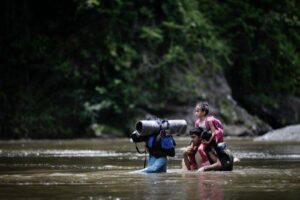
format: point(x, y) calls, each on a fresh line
point(210, 123)
point(218, 159)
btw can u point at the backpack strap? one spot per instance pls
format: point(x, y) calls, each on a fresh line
point(141, 152)
point(173, 141)
point(138, 150)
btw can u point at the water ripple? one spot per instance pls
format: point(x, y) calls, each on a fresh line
point(265, 155)
point(127, 155)
point(65, 153)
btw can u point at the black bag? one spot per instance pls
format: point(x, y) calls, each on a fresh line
point(226, 159)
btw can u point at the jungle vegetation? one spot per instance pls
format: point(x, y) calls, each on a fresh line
point(66, 65)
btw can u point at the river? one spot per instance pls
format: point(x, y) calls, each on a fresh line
point(104, 169)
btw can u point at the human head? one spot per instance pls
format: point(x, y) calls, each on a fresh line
point(198, 134)
point(195, 134)
point(205, 135)
point(201, 109)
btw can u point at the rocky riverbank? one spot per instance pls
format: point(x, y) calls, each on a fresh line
point(213, 88)
point(288, 133)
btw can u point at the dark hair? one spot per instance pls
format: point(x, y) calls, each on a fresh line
point(197, 131)
point(204, 107)
point(205, 135)
point(201, 132)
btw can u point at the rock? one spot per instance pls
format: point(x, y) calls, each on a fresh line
point(237, 121)
point(236, 130)
point(212, 87)
point(288, 133)
point(277, 110)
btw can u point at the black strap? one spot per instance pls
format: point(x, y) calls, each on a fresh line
point(173, 141)
point(145, 160)
point(137, 149)
point(141, 152)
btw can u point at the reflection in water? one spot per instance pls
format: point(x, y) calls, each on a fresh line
point(154, 186)
point(101, 169)
point(203, 186)
point(210, 187)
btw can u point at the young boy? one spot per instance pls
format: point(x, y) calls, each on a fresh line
point(218, 160)
point(210, 123)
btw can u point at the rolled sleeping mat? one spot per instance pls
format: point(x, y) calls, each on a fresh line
point(147, 127)
point(178, 126)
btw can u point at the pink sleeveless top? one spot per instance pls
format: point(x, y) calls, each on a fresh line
point(200, 124)
point(216, 123)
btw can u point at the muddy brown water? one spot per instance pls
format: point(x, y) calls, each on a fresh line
point(104, 169)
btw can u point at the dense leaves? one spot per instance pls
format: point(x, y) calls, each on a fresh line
point(264, 38)
point(68, 65)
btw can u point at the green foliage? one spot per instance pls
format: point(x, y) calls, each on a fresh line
point(151, 34)
point(84, 62)
point(147, 46)
point(264, 37)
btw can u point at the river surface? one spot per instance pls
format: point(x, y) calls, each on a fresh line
point(104, 169)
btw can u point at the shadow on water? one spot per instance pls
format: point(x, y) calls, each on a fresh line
point(103, 169)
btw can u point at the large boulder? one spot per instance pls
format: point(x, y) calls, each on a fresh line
point(213, 87)
point(277, 110)
point(288, 133)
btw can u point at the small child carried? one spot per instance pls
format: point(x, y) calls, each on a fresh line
point(212, 124)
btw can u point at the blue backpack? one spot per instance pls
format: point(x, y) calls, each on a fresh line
point(167, 144)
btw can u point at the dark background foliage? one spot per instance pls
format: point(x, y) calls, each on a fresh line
point(66, 65)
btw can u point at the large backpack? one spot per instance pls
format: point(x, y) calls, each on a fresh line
point(226, 159)
point(167, 144)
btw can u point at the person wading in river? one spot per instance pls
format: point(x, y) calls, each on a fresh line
point(159, 145)
point(221, 160)
point(212, 124)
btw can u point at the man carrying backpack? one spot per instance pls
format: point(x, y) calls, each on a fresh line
point(159, 145)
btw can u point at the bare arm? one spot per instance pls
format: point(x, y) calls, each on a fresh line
point(213, 132)
point(189, 161)
point(215, 166)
